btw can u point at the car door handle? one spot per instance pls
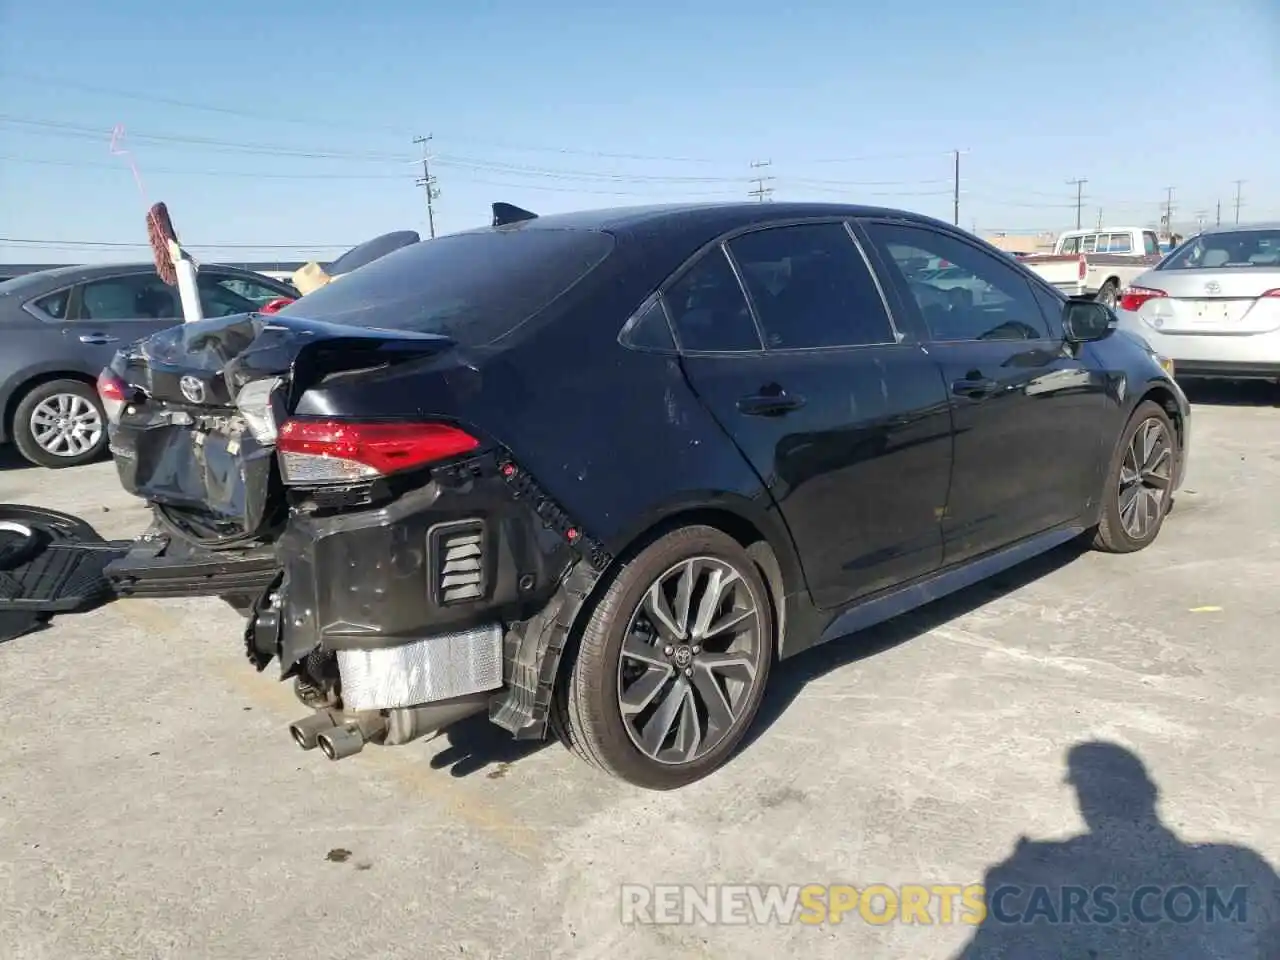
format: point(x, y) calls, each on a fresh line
point(97, 339)
point(975, 387)
point(770, 404)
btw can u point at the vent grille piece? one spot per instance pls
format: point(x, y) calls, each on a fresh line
point(460, 562)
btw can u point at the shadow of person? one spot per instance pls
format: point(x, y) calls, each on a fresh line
point(1129, 887)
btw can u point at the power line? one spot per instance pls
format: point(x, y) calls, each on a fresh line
point(761, 192)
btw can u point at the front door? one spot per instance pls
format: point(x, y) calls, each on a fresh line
point(1027, 412)
point(845, 420)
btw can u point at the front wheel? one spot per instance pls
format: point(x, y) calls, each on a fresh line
point(672, 662)
point(1139, 486)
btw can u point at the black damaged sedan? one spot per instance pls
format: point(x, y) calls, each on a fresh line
point(594, 473)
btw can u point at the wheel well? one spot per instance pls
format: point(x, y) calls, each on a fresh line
point(1164, 397)
point(748, 535)
point(20, 391)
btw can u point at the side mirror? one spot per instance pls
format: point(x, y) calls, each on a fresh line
point(1084, 321)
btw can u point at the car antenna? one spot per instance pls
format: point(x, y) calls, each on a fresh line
point(504, 213)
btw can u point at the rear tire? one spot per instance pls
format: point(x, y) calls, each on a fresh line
point(60, 424)
point(1109, 295)
point(1138, 491)
point(674, 705)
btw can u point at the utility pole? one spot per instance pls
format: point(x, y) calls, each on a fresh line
point(1079, 185)
point(428, 182)
point(1219, 223)
point(1099, 218)
point(761, 192)
point(1168, 211)
point(1239, 184)
point(955, 196)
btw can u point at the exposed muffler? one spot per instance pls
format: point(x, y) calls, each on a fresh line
point(340, 735)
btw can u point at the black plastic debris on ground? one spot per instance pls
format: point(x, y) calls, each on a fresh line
point(50, 563)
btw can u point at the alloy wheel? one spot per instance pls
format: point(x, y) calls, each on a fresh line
point(690, 657)
point(1145, 478)
point(66, 425)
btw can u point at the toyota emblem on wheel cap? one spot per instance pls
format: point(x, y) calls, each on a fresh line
point(192, 388)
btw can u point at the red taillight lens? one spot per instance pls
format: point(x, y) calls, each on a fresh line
point(1134, 297)
point(277, 304)
point(336, 451)
point(112, 391)
point(1083, 270)
point(1273, 293)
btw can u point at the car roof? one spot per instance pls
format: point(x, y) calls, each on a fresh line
point(712, 217)
point(1239, 228)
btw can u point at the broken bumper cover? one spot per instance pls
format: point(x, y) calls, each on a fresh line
point(374, 588)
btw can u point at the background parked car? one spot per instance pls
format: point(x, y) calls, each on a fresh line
point(60, 327)
point(1213, 305)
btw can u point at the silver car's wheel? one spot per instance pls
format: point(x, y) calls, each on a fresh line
point(66, 425)
point(1145, 477)
point(689, 659)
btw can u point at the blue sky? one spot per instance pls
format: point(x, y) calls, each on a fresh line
point(312, 108)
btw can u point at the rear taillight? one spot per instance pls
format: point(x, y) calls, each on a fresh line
point(112, 391)
point(254, 403)
point(1132, 298)
point(1273, 293)
point(1082, 270)
point(340, 451)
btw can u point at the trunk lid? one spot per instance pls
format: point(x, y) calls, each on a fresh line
point(196, 432)
point(1231, 301)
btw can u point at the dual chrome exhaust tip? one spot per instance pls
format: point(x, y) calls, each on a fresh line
point(336, 737)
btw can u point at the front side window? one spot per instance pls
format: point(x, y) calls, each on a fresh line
point(254, 292)
point(708, 309)
point(811, 287)
point(143, 296)
point(989, 300)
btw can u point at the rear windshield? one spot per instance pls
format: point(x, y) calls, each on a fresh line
point(471, 287)
point(1235, 248)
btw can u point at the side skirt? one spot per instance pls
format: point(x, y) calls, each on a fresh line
point(867, 613)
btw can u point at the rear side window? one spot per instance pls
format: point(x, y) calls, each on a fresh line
point(709, 310)
point(811, 287)
point(1071, 245)
point(471, 287)
point(55, 304)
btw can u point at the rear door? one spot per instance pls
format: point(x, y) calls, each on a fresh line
point(785, 335)
point(112, 312)
point(1027, 412)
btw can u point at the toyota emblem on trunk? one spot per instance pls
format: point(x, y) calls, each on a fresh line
point(192, 389)
point(1213, 286)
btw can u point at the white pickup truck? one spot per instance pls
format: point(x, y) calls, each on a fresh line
point(1097, 263)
